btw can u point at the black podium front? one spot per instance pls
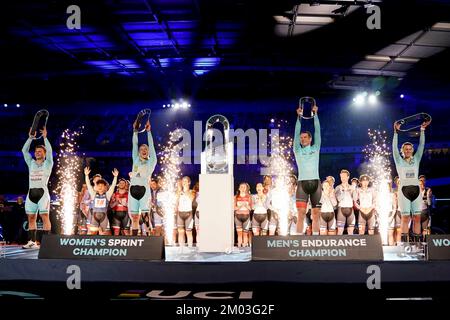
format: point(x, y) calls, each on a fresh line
point(101, 247)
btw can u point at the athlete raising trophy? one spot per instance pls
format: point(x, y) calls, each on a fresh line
point(407, 165)
point(38, 197)
point(144, 163)
point(307, 157)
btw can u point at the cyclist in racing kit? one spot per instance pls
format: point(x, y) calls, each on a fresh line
point(407, 166)
point(427, 201)
point(344, 195)
point(144, 163)
point(260, 221)
point(242, 207)
point(101, 196)
point(119, 206)
point(364, 199)
point(328, 201)
point(38, 197)
point(307, 158)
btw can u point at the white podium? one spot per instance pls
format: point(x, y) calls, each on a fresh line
point(216, 213)
point(216, 205)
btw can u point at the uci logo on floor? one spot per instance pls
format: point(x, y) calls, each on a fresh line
point(184, 295)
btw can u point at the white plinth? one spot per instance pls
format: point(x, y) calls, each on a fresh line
point(216, 210)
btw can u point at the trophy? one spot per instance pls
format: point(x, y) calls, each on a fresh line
point(142, 118)
point(39, 122)
point(306, 104)
point(409, 124)
point(216, 158)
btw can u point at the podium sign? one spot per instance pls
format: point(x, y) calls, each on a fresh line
point(345, 247)
point(438, 247)
point(101, 247)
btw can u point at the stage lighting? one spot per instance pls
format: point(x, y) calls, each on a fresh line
point(5, 105)
point(377, 93)
point(272, 120)
point(372, 99)
point(402, 96)
point(18, 105)
point(359, 99)
point(164, 105)
point(179, 104)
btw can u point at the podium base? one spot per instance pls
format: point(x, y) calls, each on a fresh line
point(216, 214)
point(192, 254)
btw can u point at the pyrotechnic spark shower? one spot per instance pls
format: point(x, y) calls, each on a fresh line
point(68, 170)
point(377, 155)
point(280, 168)
point(170, 172)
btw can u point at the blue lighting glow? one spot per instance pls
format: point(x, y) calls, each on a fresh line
point(201, 72)
point(168, 62)
point(204, 65)
point(206, 62)
point(141, 26)
point(113, 64)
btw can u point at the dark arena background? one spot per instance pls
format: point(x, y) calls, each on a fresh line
point(94, 65)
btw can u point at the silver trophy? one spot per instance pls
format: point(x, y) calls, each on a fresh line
point(217, 151)
point(39, 122)
point(141, 119)
point(413, 122)
point(307, 101)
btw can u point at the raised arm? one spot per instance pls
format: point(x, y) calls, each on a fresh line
point(135, 150)
point(48, 149)
point(395, 151)
point(49, 153)
point(421, 147)
point(26, 151)
point(152, 152)
point(298, 129)
point(317, 135)
point(110, 191)
point(88, 183)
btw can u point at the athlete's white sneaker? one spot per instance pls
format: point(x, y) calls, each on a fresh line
point(30, 245)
